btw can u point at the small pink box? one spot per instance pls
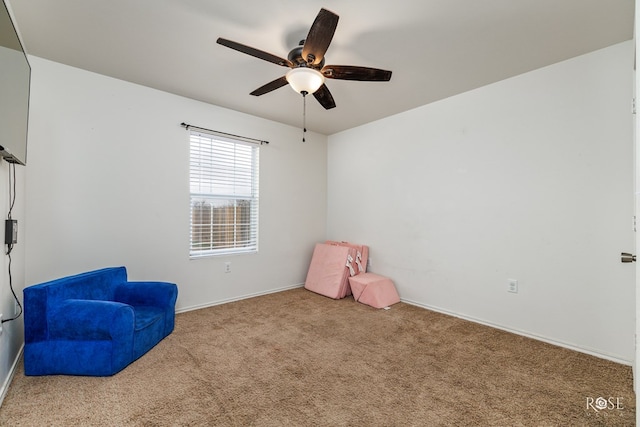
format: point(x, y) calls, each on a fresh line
point(374, 290)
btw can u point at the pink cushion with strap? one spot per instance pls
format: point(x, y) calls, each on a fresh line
point(328, 273)
point(360, 264)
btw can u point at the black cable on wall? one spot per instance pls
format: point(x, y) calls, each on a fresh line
point(9, 241)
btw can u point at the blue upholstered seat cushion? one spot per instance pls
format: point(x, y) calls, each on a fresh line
point(146, 316)
point(76, 319)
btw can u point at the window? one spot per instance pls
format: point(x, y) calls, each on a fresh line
point(224, 195)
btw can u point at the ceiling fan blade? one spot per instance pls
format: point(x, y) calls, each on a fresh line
point(276, 84)
point(255, 52)
point(350, 72)
point(319, 37)
point(324, 97)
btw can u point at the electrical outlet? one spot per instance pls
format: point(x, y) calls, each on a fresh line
point(227, 267)
point(512, 286)
point(16, 308)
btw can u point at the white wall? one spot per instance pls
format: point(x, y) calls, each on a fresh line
point(12, 336)
point(108, 185)
point(530, 179)
point(12, 268)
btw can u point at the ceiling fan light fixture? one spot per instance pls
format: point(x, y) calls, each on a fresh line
point(304, 79)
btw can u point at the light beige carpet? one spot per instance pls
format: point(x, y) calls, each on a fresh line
point(299, 359)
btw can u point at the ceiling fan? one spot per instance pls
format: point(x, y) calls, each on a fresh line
point(307, 63)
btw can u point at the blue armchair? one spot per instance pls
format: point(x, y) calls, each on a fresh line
point(94, 323)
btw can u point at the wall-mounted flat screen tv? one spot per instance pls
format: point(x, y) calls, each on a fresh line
point(15, 80)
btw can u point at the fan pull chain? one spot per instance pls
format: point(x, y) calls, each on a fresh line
point(304, 115)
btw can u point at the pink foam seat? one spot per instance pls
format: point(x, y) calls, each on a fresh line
point(374, 290)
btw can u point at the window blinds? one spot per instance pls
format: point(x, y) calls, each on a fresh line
point(224, 195)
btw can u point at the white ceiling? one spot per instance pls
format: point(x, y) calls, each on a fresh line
point(435, 48)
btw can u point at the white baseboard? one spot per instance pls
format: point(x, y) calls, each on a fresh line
point(247, 296)
point(569, 346)
point(12, 373)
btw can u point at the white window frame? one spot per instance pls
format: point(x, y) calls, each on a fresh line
point(224, 195)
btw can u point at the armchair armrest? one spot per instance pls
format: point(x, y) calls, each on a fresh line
point(156, 294)
point(76, 319)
